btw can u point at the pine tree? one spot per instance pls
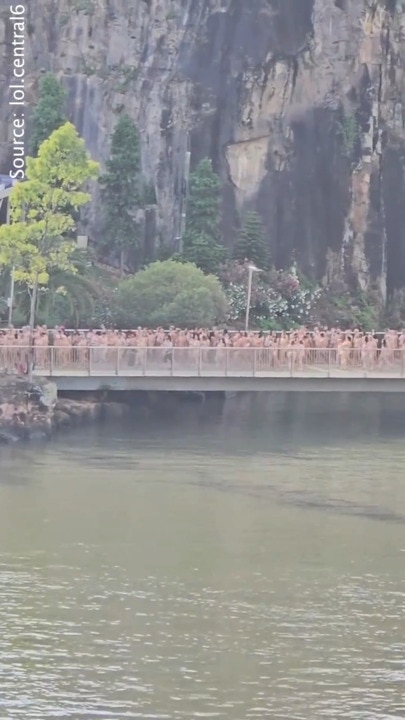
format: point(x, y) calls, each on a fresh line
point(250, 244)
point(49, 112)
point(121, 191)
point(202, 237)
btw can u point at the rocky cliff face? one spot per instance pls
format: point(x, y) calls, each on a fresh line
point(300, 104)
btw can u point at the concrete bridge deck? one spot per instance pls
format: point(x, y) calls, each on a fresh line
point(211, 369)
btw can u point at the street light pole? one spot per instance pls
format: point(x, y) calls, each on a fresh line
point(10, 300)
point(251, 269)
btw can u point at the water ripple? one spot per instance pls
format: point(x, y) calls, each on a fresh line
point(154, 650)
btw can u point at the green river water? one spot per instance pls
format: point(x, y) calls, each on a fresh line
point(236, 562)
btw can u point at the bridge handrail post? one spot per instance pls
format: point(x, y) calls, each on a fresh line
point(51, 360)
point(226, 361)
point(89, 360)
point(254, 361)
point(172, 360)
point(117, 361)
point(291, 363)
point(199, 360)
point(329, 361)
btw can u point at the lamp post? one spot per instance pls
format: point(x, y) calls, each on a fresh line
point(10, 300)
point(252, 269)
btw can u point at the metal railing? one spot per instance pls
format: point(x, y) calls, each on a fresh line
point(197, 361)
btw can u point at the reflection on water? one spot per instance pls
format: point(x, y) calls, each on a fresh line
point(236, 562)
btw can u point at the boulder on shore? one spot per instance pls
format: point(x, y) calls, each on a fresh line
point(33, 411)
point(70, 413)
point(26, 409)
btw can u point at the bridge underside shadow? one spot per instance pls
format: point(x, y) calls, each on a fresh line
point(94, 383)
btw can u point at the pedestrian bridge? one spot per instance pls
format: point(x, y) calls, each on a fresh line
point(200, 369)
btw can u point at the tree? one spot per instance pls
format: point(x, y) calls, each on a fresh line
point(202, 237)
point(170, 293)
point(37, 241)
point(71, 297)
point(121, 190)
point(251, 244)
point(49, 113)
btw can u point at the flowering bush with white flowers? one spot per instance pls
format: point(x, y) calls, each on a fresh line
point(300, 296)
point(279, 298)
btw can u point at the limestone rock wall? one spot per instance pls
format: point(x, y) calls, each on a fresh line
point(300, 104)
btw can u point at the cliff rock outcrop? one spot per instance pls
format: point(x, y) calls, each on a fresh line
point(300, 104)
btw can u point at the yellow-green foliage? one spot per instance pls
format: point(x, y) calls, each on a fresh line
point(42, 207)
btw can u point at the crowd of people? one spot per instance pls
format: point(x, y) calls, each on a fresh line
point(302, 346)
